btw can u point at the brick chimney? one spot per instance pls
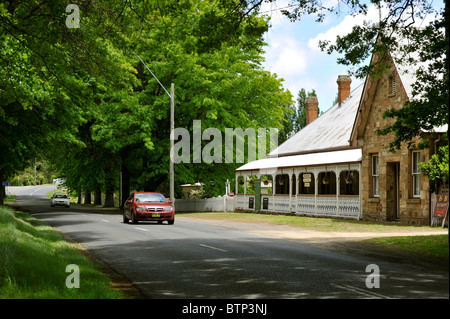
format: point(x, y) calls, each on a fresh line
point(343, 82)
point(312, 106)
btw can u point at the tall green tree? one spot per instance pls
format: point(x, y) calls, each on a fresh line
point(295, 116)
point(48, 74)
point(218, 77)
point(301, 108)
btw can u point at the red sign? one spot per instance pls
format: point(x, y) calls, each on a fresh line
point(442, 201)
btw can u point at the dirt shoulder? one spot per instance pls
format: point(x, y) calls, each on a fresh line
point(345, 242)
point(314, 236)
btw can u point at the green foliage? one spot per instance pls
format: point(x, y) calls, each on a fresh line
point(218, 77)
point(197, 193)
point(50, 76)
point(93, 110)
point(437, 169)
point(295, 116)
point(26, 177)
point(91, 107)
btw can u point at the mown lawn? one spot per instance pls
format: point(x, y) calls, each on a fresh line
point(434, 245)
point(33, 261)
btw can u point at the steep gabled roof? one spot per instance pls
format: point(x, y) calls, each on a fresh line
point(407, 75)
point(330, 131)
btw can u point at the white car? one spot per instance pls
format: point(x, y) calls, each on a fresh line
point(59, 199)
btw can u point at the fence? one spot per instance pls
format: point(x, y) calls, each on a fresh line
point(325, 206)
point(216, 204)
point(344, 206)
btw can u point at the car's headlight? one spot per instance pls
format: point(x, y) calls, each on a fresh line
point(169, 209)
point(141, 209)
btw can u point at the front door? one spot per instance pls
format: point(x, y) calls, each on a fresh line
point(392, 191)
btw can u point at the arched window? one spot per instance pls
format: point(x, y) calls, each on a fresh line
point(282, 184)
point(251, 181)
point(241, 182)
point(349, 183)
point(391, 83)
point(307, 183)
point(327, 183)
point(266, 184)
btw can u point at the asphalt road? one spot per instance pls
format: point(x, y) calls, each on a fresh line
point(194, 259)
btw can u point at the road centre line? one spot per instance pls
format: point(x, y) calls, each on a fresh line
point(143, 229)
point(104, 220)
point(32, 193)
point(211, 247)
point(361, 291)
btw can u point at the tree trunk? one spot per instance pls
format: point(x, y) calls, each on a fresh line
point(2, 188)
point(87, 197)
point(125, 185)
point(97, 196)
point(109, 187)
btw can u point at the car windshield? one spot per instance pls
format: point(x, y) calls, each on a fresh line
point(150, 198)
point(60, 196)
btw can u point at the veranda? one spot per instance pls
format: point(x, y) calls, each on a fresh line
point(331, 190)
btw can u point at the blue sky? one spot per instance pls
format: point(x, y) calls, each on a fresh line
point(293, 53)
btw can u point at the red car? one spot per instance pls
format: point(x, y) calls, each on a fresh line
point(145, 206)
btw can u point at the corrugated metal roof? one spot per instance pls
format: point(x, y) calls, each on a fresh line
point(323, 141)
point(323, 158)
point(330, 130)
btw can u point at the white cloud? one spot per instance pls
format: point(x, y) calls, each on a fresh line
point(291, 60)
point(346, 26)
point(293, 52)
point(296, 58)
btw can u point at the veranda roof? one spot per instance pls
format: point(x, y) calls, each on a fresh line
point(311, 159)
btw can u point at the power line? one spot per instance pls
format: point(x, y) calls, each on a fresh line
point(153, 75)
point(277, 9)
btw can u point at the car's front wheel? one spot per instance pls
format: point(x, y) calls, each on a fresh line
point(133, 218)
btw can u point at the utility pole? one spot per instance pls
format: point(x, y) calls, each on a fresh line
point(172, 127)
point(35, 171)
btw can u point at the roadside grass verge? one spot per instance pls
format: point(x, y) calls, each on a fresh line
point(10, 198)
point(50, 194)
point(33, 261)
point(434, 246)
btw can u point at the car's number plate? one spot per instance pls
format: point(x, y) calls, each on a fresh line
point(156, 215)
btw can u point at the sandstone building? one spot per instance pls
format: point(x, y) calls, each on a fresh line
point(337, 166)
